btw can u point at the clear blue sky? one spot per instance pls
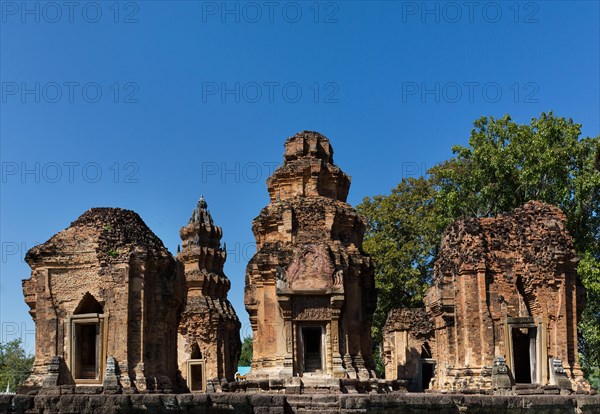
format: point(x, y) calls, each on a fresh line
point(146, 105)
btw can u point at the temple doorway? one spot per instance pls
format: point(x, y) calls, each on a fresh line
point(426, 373)
point(196, 380)
point(426, 368)
point(312, 338)
point(87, 349)
point(524, 354)
point(86, 341)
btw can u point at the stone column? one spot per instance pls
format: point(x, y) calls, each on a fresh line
point(338, 370)
point(285, 302)
point(351, 324)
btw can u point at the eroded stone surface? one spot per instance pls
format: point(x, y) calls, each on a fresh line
point(310, 284)
point(408, 337)
point(106, 268)
point(209, 327)
point(240, 403)
point(505, 302)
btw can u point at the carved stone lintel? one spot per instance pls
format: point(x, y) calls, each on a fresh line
point(311, 308)
point(314, 314)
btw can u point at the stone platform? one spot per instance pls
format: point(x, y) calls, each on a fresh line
point(262, 403)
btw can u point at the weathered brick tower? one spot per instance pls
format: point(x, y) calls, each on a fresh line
point(507, 287)
point(310, 288)
point(501, 313)
point(209, 343)
point(105, 296)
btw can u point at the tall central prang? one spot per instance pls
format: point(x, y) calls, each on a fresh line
point(309, 288)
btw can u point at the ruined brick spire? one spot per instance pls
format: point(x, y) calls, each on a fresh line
point(308, 170)
point(310, 272)
point(209, 326)
point(201, 240)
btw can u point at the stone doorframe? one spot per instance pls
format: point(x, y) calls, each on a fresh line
point(87, 318)
point(300, 355)
point(190, 380)
point(328, 317)
point(541, 352)
point(429, 362)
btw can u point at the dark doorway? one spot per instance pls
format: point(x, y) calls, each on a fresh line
point(426, 367)
point(88, 304)
point(196, 377)
point(524, 348)
point(311, 337)
point(195, 354)
point(426, 374)
point(87, 342)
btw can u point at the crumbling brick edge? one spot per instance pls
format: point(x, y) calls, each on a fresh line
point(245, 403)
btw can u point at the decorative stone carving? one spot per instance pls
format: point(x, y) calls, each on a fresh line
point(209, 327)
point(505, 296)
point(557, 366)
point(282, 283)
point(51, 379)
point(500, 378)
point(500, 288)
point(337, 282)
point(107, 262)
point(310, 290)
point(111, 381)
point(558, 375)
point(310, 269)
point(500, 366)
point(311, 308)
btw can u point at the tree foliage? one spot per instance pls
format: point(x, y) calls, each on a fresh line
point(403, 236)
point(246, 355)
point(15, 364)
point(505, 165)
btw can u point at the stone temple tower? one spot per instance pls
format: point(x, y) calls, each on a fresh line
point(105, 296)
point(208, 341)
point(309, 288)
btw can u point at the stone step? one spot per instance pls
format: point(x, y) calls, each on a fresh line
point(526, 386)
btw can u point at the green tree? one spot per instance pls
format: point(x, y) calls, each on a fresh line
point(246, 355)
point(402, 235)
point(589, 341)
point(505, 165)
point(15, 364)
